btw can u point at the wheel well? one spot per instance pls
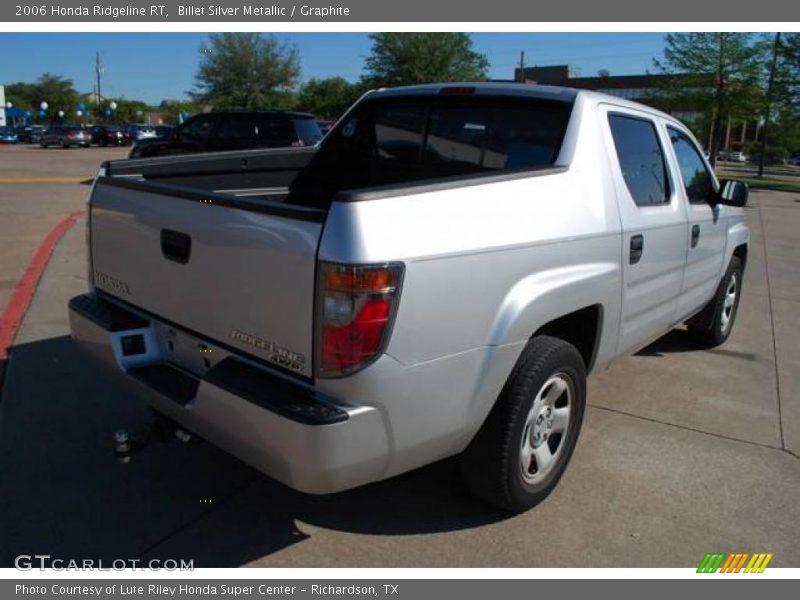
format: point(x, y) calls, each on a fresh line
point(580, 328)
point(741, 253)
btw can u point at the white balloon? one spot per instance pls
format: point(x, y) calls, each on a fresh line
point(79, 113)
point(9, 105)
point(44, 105)
point(113, 106)
point(61, 113)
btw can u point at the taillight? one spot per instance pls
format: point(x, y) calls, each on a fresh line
point(355, 310)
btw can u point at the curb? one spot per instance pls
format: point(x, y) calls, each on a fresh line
point(14, 312)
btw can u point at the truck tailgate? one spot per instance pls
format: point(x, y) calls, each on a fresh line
point(238, 271)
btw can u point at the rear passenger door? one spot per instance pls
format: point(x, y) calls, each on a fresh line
point(707, 225)
point(653, 226)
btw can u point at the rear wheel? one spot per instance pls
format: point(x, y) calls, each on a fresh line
point(64, 144)
point(523, 448)
point(713, 325)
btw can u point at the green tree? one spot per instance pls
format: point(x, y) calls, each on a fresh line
point(409, 58)
point(246, 70)
point(57, 91)
point(717, 73)
point(128, 111)
point(328, 98)
point(21, 95)
point(174, 108)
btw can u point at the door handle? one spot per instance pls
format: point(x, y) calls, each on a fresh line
point(637, 248)
point(176, 246)
point(695, 235)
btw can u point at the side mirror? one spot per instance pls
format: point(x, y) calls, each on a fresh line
point(732, 193)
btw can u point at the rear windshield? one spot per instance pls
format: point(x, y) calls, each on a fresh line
point(460, 134)
point(398, 141)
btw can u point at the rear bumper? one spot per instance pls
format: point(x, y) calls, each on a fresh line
point(283, 428)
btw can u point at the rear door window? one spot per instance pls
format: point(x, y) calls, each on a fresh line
point(235, 127)
point(275, 129)
point(197, 128)
point(640, 159)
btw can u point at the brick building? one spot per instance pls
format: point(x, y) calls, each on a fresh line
point(647, 89)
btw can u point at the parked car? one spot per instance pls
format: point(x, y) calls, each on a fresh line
point(26, 133)
point(164, 131)
point(35, 134)
point(217, 131)
point(325, 126)
point(107, 135)
point(8, 136)
point(436, 278)
point(739, 157)
point(794, 159)
point(65, 136)
point(137, 132)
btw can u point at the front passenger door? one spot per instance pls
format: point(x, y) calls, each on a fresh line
point(707, 227)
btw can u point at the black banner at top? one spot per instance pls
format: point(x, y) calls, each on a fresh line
point(441, 11)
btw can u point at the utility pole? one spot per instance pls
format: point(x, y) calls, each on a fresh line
point(770, 89)
point(522, 66)
point(98, 70)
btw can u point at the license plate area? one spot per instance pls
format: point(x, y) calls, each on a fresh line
point(187, 351)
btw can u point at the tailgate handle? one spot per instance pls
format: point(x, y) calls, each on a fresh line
point(176, 246)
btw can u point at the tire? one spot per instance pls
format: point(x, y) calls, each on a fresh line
point(713, 325)
point(64, 145)
point(501, 465)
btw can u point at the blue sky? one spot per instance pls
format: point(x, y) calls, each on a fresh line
point(153, 66)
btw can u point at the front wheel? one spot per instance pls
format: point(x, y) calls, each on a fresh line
point(523, 448)
point(713, 325)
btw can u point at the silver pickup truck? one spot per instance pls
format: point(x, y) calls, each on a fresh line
point(436, 278)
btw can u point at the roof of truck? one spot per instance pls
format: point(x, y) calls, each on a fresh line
point(548, 92)
point(545, 92)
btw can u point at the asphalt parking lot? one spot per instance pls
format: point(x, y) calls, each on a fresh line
point(683, 451)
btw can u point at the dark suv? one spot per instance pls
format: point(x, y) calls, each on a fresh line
point(234, 130)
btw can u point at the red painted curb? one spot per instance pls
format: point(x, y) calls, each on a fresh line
point(21, 298)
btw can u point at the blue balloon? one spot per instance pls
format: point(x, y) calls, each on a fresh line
point(107, 112)
point(81, 106)
point(27, 114)
point(42, 113)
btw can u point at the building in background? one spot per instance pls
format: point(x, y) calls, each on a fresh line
point(649, 89)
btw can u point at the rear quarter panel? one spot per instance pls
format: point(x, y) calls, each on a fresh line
point(486, 266)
